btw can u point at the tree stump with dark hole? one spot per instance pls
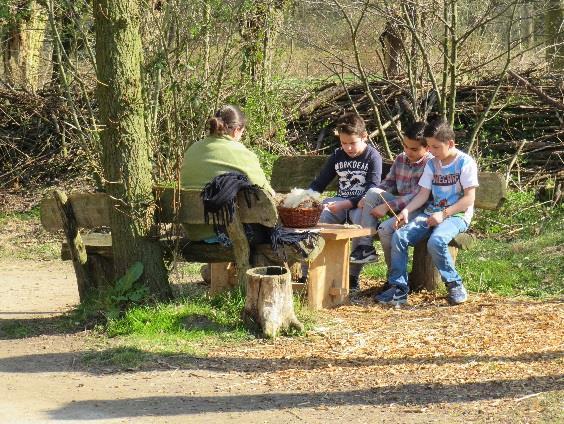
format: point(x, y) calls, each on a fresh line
point(269, 304)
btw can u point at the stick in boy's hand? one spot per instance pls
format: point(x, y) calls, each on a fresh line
point(399, 219)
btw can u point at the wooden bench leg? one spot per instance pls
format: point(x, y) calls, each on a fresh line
point(424, 275)
point(223, 277)
point(328, 283)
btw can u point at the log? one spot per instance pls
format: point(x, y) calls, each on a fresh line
point(424, 275)
point(74, 241)
point(269, 304)
point(543, 96)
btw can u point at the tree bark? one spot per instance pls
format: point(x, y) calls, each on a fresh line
point(269, 303)
point(125, 148)
point(555, 34)
point(22, 41)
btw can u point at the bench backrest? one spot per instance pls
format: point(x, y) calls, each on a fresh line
point(92, 210)
point(299, 171)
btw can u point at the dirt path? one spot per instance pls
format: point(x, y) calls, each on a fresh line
point(489, 361)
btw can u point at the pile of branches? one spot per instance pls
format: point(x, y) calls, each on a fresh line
point(39, 143)
point(523, 133)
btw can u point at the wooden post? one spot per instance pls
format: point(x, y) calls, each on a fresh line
point(241, 249)
point(223, 277)
point(76, 246)
point(269, 302)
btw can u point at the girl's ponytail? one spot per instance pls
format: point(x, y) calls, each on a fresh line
point(226, 120)
point(217, 126)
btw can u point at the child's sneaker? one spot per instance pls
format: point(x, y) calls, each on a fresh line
point(354, 286)
point(393, 296)
point(363, 254)
point(457, 294)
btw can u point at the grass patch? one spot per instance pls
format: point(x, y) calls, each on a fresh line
point(22, 237)
point(191, 326)
point(15, 330)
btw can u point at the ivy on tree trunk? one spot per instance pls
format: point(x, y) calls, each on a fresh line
point(125, 149)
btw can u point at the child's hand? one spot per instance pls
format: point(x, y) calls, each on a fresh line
point(335, 207)
point(360, 203)
point(435, 219)
point(380, 211)
point(402, 219)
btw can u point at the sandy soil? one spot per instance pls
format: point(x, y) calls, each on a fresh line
point(453, 365)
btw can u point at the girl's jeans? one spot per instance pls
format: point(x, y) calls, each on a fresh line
point(437, 245)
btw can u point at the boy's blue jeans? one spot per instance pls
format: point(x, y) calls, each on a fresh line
point(437, 245)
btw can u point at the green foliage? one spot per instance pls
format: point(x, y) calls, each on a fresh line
point(122, 357)
point(30, 215)
point(192, 319)
point(264, 109)
point(124, 292)
point(520, 216)
point(267, 160)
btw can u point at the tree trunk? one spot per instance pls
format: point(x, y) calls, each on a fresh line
point(22, 41)
point(392, 43)
point(269, 303)
point(126, 153)
point(554, 19)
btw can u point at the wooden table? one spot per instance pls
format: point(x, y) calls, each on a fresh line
point(328, 282)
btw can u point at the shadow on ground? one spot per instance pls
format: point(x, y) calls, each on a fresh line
point(88, 361)
point(405, 394)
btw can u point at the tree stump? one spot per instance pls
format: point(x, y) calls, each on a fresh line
point(269, 303)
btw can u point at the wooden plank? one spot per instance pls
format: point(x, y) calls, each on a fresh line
point(328, 283)
point(342, 231)
point(76, 249)
point(299, 171)
point(492, 191)
point(90, 210)
point(189, 209)
point(94, 243)
point(223, 277)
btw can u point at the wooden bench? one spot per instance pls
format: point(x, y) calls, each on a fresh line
point(298, 171)
point(328, 285)
point(92, 211)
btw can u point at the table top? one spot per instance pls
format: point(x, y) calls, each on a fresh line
point(340, 231)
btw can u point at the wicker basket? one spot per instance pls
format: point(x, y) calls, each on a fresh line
point(299, 217)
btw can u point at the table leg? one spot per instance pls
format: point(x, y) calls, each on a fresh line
point(328, 284)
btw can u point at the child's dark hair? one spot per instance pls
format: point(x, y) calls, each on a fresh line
point(439, 129)
point(415, 132)
point(351, 124)
point(226, 119)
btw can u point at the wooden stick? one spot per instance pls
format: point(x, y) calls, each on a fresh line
point(388, 205)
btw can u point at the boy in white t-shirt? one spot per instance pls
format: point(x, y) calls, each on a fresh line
point(451, 177)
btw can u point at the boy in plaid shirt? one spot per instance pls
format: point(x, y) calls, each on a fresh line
point(399, 187)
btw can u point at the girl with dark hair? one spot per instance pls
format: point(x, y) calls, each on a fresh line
point(218, 153)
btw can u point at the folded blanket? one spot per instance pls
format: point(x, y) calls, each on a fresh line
point(220, 194)
point(302, 241)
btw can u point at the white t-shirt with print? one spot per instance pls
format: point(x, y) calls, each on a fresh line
point(447, 183)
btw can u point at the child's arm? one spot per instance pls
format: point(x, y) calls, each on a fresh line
point(418, 201)
point(462, 205)
point(326, 175)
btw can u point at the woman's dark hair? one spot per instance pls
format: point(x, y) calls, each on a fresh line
point(226, 119)
point(351, 124)
point(439, 129)
point(415, 132)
